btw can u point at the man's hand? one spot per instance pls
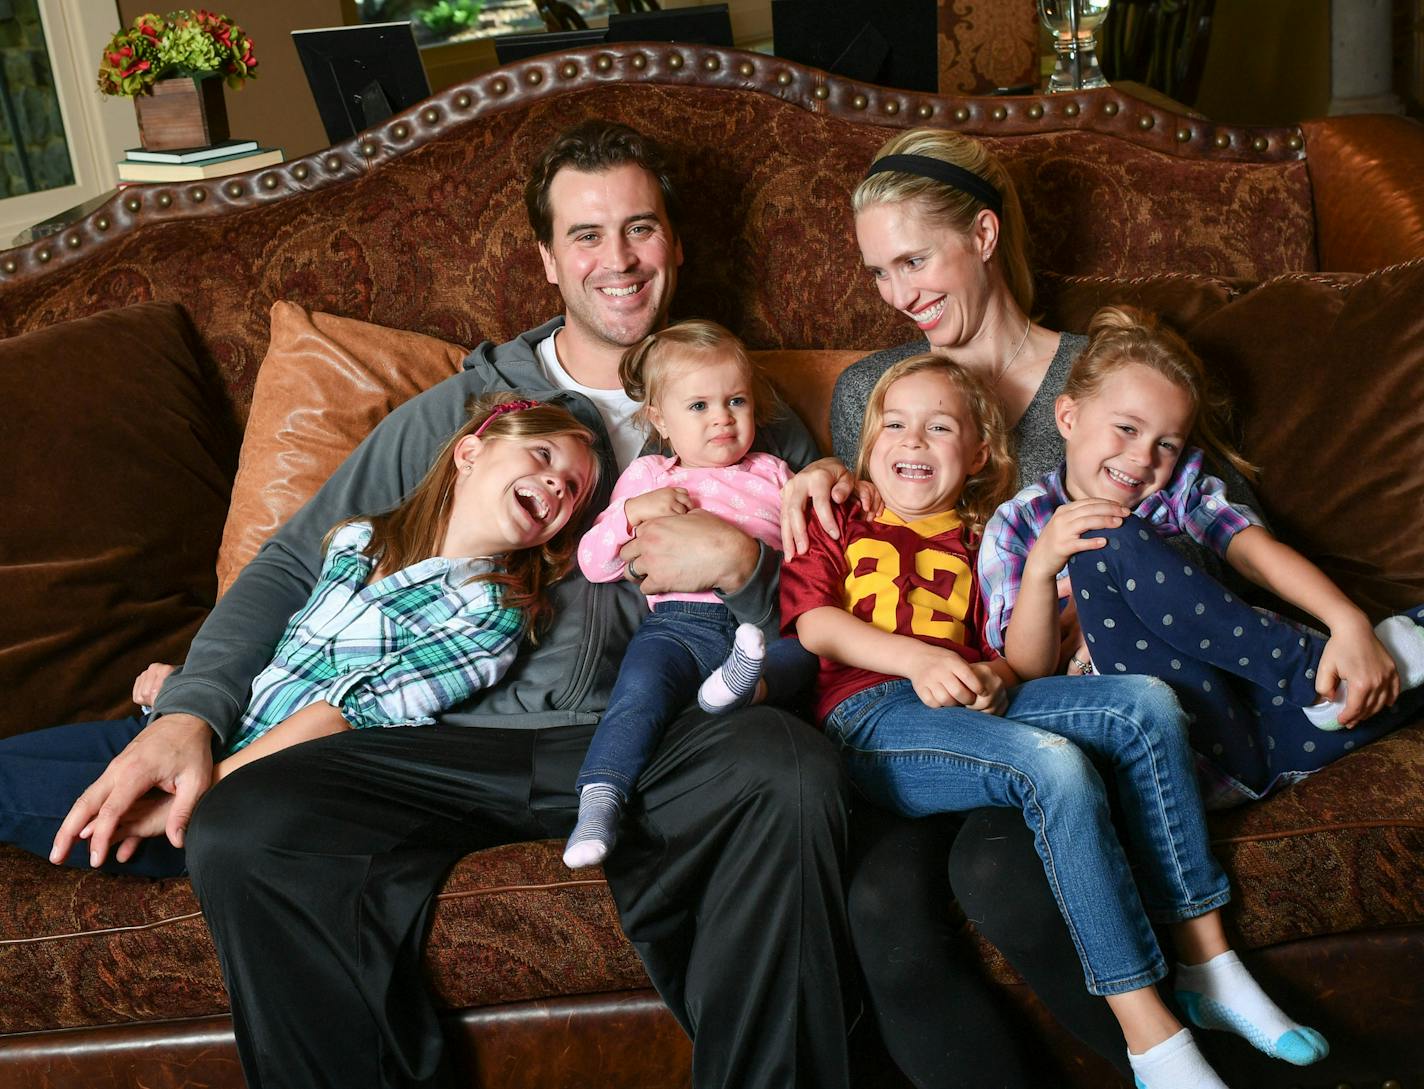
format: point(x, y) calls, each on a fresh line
point(147, 684)
point(691, 553)
point(173, 754)
point(658, 503)
point(823, 482)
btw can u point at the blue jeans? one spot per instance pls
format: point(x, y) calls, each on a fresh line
point(1241, 675)
point(43, 772)
point(1040, 758)
point(677, 645)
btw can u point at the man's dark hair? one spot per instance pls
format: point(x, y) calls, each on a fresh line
point(593, 147)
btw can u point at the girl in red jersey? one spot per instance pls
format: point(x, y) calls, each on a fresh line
point(892, 607)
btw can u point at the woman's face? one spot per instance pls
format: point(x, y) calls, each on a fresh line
point(937, 277)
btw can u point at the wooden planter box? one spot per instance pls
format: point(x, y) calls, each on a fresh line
point(182, 113)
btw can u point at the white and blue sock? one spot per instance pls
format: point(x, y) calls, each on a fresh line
point(1404, 639)
point(596, 831)
point(1175, 1063)
point(1221, 994)
point(733, 684)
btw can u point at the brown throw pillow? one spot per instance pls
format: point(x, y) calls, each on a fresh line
point(119, 453)
point(325, 383)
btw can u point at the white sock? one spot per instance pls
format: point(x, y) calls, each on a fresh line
point(596, 831)
point(1221, 994)
point(734, 682)
point(1404, 640)
point(1325, 715)
point(1175, 1063)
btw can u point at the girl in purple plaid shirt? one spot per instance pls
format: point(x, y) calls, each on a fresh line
point(415, 610)
point(1269, 701)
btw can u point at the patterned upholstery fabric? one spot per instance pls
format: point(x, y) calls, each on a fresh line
point(986, 44)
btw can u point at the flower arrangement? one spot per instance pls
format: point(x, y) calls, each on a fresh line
point(181, 43)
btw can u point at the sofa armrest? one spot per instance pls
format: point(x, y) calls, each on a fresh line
point(1367, 173)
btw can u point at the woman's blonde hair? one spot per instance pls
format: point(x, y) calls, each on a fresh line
point(950, 207)
point(413, 531)
point(645, 367)
point(997, 479)
point(1121, 336)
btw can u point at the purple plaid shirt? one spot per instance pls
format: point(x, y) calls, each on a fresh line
point(1193, 502)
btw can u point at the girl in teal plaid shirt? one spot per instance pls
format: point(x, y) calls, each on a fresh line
point(414, 610)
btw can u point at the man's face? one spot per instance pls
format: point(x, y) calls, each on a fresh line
point(614, 255)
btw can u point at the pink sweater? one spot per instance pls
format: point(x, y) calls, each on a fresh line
point(747, 494)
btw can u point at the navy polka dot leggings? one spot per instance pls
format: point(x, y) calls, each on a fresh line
point(1241, 675)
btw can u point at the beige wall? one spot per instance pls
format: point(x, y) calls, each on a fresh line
point(276, 109)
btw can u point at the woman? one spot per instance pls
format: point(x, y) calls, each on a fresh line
point(942, 234)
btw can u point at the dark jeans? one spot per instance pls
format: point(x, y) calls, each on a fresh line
point(675, 647)
point(1241, 675)
point(44, 771)
point(317, 867)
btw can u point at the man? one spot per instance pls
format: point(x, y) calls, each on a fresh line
point(317, 866)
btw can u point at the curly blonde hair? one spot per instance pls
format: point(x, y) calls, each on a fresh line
point(997, 479)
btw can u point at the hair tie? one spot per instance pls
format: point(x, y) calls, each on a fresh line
point(503, 408)
point(956, 177)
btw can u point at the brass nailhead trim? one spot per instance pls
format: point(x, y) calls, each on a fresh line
point(368, 149)
point(430, 115)
point(499, 86)
point(568, 69)
point(1146, 121)
point(133, 204)
point(198, 195)
point(998, 113)
point(924, 111)
point(859, 102)
point(73, 241)
point(783, 78)
point(9, 265)
point(463, 100)
point(1110, 108)
point(1260, 144)
point(269, 181)
point(1222, 139)
point(233, 189)
point(603, 63)
point(710, 63)
point(892, 107)
point(822, 92)
point(534, 77)
point(1035, 111)
point(165, 199)
point(401, 131)
point(1295, 143)
point(44, 256)
point(300, 171)
point(639, 61)
point(961, 113)
point(675, 60)
point(746, 69)
point(102, 223)
point(1071, 110)
point(333, 162)
point(1183, 135)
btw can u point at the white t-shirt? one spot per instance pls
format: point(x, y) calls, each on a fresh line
point(615, 406)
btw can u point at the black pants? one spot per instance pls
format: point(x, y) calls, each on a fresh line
point(942, 1022)
point(317, 866)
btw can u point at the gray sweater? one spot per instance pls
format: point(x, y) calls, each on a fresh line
point(563, 681)
point(1038, 446)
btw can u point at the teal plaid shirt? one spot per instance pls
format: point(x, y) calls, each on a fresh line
point(396, 652)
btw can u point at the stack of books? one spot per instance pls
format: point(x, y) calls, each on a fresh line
point(195, 163)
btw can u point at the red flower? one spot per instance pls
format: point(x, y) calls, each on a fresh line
point(116, 59)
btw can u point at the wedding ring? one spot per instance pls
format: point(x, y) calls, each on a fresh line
point(633, 572)
point(1083, 667)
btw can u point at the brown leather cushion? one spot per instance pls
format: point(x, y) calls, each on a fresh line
point(325, 383)
point(806, 378)
point(118, 459)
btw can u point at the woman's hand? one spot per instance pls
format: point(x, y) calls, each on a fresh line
point(823, 482)
point(1063, 537)
point(1354, 654)
point(147, 683)
point(658, 503)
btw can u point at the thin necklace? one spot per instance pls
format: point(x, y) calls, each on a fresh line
point(1004, 369)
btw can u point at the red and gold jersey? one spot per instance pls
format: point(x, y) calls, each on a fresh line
point(909, 578)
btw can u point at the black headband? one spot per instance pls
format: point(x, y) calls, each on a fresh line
point(956, 177)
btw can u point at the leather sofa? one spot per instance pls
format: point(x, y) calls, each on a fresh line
point(134, 359)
